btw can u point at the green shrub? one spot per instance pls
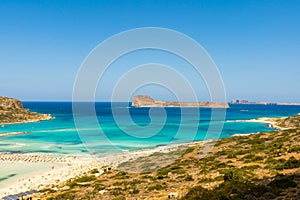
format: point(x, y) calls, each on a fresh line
point(251, 167)
point(157, 187)
point(85, 179)
point(242, 189)
point(121, 175)
point(189, 178)
point(99, 187)
point(160, 176)
point(94, 171)
point(189, 150)
point(294, 149)
point(252, 158)
point(291, 163)
point(232, 175)
point(199, 192)
point(116, 191)
point(147, 177)
point(163, 171)
point(283, 182)
point(222, 153)
point(243, 152)
point(231, 155)
point(221, 165)
point(208, 180)
point(256, 141)
point(135, 191)
point(71, 184)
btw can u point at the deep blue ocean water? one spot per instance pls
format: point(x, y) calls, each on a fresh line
point(60, 136)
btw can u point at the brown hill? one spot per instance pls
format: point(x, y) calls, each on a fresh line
point(12, 111)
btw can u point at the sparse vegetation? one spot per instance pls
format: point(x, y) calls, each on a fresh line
point(291, 163)
point(235, 187)
point(157, 187)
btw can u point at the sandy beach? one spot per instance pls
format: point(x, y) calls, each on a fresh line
point(49, 171)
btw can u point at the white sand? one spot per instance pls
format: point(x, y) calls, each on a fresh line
point(36, 172)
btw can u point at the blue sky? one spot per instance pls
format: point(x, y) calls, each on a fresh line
point(255, 44)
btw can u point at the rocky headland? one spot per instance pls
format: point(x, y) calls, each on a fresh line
point(141, 101)
point(12, 112)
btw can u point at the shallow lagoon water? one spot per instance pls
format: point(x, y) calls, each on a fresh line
point(60, 135)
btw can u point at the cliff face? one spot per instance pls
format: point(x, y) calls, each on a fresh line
point(12, 111)
point(146, 101)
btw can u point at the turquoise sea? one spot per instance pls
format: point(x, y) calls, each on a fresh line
point(59, 136)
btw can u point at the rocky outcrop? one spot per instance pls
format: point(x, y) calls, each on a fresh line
point(12, 111)
point(10, 103)
point(140, 101)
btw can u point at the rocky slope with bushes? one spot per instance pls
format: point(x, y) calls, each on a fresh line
point(12, 111)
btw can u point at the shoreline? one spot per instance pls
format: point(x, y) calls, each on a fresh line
point(272, 122)
point(66, 168)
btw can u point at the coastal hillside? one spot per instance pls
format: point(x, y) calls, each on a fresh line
point(258, 166)
point(12, 111)
point(146, 101)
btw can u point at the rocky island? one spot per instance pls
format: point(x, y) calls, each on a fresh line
point(263, 103)
point(141, 101)
point(12, 112)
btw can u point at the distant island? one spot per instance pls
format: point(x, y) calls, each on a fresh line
point(141, 101)
point(263, 103)
point(13, 112)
